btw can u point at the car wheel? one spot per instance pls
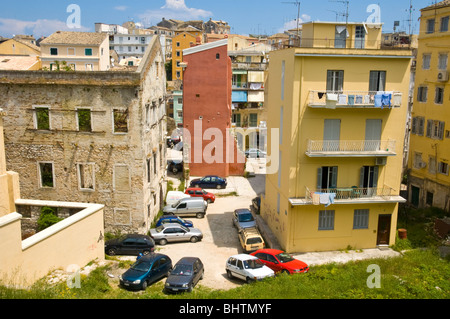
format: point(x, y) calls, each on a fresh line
point(203, 274)
point(249, 280)
point(144, 285)
point(284, 271)
point(197, 186)
point(146, 252)
point(162, 242)
point(218, 186)
point(189, 289)
point(194, 239)
point(229, 275)
point(209, 201)
point(111, 252)
point(200, 215)
point(175, 170)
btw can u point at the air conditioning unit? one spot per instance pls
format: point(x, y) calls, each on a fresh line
point(380, 161)
point(422, 164)
point(443, 76)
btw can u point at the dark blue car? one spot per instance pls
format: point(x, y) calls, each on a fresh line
point(185, 275)
point(145, 271)
point(170, 219)
point(210, 181)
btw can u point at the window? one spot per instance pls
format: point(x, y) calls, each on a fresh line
point(149, 170)
point(442, 62)
point(84, 120)
point(360, 34)
point(54, 67)
point(53, 51)
point(253, 120)
point(237, 119)
point(417, 160)
point(122, 178)
point(418, 125)
point(178, 54)
point(120, 121)
point(178, 44)
point(377, 81)
point(46, 175)
point(430, 25)
point(439, 95)
point(426, 61)
point(88, 52)
point(217, 56)
point(444, 24)
point(361, 219)
point(71, 51)
point(429, 199)
point(422, 92)
point(340, 40)
point(89, 67)
point(432, 165)
point(326, 220)
point(435, 129)
point(86, 176)
point(443, 168)
point(42, 118)
point(335, 81)
point(327, 177)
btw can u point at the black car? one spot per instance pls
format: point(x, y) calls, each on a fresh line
point(175, 166)
point(187, 272)
point(130, 244)
point(210, 181)
point(256, 204)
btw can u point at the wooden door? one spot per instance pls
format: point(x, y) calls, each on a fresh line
point(384, 229)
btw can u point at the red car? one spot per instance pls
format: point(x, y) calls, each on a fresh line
point(200, 192)
point(280, 261)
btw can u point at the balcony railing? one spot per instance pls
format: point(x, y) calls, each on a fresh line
point(343, 148)
point(346, 193)
point(354, 99)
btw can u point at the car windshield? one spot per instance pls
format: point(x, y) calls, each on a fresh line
point(182, 270)
point(204, 192)
point(141, 266)
point(253, 264)
point(247, 217)
point(176, 203)
point(159, 228)
point(284, 257)
point(255, 240)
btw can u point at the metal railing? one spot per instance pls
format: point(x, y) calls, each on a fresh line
point(355, 99)
point(320, 146)
point(345, 193)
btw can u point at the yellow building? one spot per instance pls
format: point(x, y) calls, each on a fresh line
point(183, 39)
point(19, 47)
point(429, 159)
point(340, 105)
point(81, 51)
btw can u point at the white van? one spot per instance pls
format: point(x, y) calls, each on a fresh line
point(188, 206)
point(174, 196)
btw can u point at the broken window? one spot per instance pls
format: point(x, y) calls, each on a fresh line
point(42, 119)
point(86, 176)
point(46, 174)
point(120, 121)
point(84, 120)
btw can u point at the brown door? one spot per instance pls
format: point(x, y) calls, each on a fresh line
point(384, 229)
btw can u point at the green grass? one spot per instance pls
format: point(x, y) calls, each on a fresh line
point(418, 274)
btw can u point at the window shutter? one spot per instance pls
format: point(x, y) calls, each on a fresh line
point(361, 178)
point(429, 127)
point(334, 171)
point(329, 80)
point(414, 125)
point(319, 178)
point(341, 81)
point(421, 125)
point(375, 177)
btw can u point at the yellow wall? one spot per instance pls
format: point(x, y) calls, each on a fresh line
point(433, 44)
point(300, 123)
point(13, 47)
point(179, 43)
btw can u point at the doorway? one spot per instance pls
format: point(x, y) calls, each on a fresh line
point(384, 229)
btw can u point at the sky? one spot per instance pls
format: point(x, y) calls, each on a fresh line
point(43, 17)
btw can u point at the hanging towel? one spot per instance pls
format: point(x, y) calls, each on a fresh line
point(320, 94)
point(359, 99)
point(316, 198)
point(332, 97)
point(367, 99)
point(378, 99)
point(351, 100)
point(386, 100)
point(324, 198)
point(343, 99)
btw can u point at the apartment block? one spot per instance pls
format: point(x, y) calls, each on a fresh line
point(339, 102)
point(429, 156)
point(91, 137)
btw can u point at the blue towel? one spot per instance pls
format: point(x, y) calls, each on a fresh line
point(351, 100)
point(386, 100)
point(378, 99)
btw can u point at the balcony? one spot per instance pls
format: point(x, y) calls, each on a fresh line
point(354, 99)
point(348, 195)
point(346, 148)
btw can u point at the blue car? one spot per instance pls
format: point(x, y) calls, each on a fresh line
point(243, 218)
point(170, 219)
point(145, 271)
point(210, 181)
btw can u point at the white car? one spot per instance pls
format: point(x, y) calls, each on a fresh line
point(247, 267)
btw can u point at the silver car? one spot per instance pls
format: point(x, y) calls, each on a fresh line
point(171, 233)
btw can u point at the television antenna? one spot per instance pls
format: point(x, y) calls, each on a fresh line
point(298, 4)
point(346, 2)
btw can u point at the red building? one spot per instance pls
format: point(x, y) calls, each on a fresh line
point(207, 111)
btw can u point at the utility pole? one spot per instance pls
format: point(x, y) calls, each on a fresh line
point(346, 2)
point(298, 4)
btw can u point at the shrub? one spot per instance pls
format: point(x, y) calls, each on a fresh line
point(47, 218)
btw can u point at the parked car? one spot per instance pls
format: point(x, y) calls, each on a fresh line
point(130, 244)
point(243, 218)
point(247, 267)
point(255, 153)
point(199, 192)
point(251, 240)
point(280, 261)
point(210, 181)
point(185, 275)
point(187, 206)
point(170, 219)
point(173, 140)
point(171, 233)
point(145, 271)
point(174, 196)
point(256, 204)
point(175, 166)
